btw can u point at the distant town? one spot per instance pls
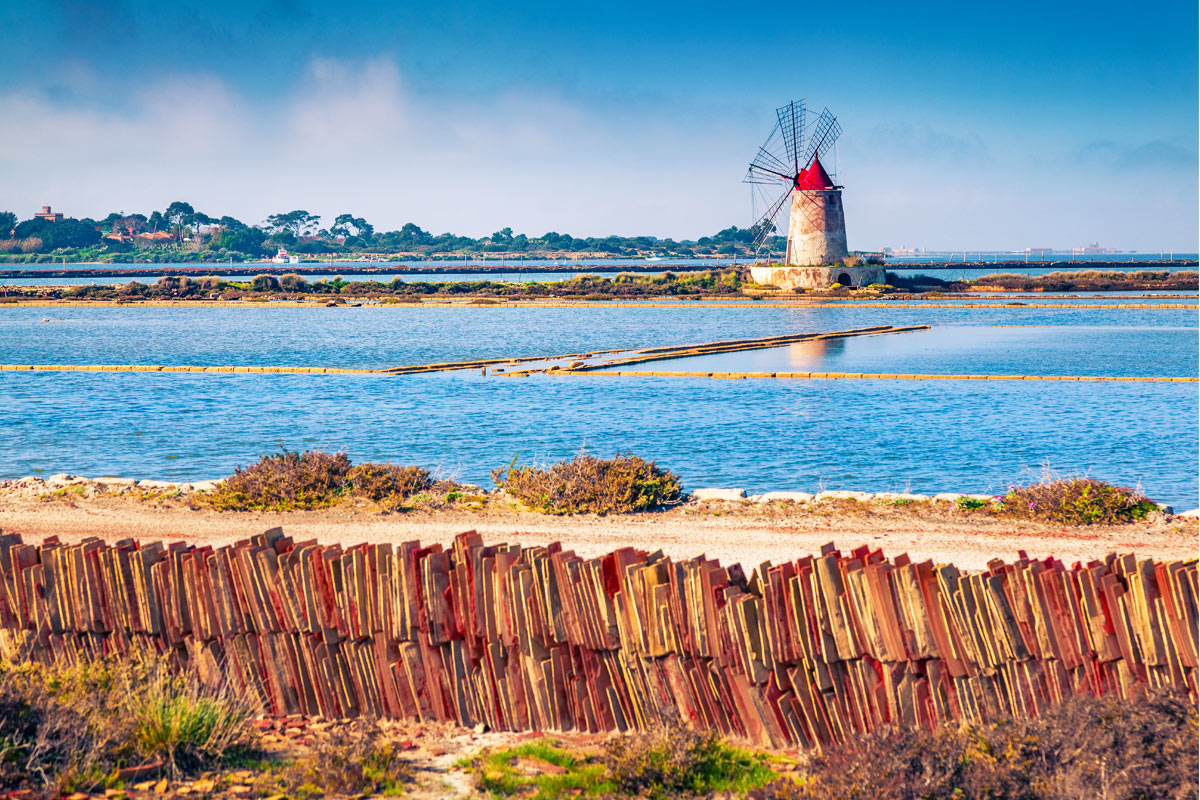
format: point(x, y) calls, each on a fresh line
point(180, 233)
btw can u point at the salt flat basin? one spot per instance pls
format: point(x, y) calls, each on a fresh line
point(977, 350)
point(761, 435)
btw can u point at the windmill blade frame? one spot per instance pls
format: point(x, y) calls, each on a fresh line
point(824, 134)
point(766, 225)
point(790, 120)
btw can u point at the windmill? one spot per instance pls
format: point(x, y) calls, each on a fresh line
point(788, 168)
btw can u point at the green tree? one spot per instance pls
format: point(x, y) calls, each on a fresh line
point(8, 221)
point(348, 225)
point(242, 240)
point(296, 223)
point(175, 215)
point(69, 233)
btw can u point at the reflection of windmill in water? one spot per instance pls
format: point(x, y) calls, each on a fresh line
point(787, 172)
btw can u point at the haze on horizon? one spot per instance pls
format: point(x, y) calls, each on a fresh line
point(980, 127)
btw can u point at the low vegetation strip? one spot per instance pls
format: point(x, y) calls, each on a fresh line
point(810, 653)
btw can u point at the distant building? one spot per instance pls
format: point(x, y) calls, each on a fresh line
point(48, 215)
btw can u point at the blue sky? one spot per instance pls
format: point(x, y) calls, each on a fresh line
point(966, 126)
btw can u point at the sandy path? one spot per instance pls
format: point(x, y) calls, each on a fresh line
point(748, 537)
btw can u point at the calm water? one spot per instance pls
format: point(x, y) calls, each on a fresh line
point(762, 434)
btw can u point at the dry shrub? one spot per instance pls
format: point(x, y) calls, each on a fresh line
point(1075, 501)
point(1145, 748)
point(10, 246)
point(388, 484)
point(265, 283)
point(292, 282)
point(70, 728)
point(31, 244)
point(587, 484)
point(284, 482)
point(54, 738)
point(678, 762)
point(357, 759)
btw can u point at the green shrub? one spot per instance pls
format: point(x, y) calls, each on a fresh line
point(587, 484)
point(284, 482)
point(1075, 501)
point(678, 762)
point(1143, 748)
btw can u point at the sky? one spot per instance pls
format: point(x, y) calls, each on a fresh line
point(965, 126)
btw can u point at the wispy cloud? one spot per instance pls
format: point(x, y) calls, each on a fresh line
point(1154, 154)
point(352, 136)
point(917, 141)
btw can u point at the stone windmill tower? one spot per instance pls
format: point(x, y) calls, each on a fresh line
point(790, 161)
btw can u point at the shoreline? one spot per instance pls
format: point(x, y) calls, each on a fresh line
point(371, 267)
point(467, 302)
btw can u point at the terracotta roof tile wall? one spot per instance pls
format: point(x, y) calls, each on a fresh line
point(805, 653)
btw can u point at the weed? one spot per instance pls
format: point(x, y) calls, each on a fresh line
point(969, 503)
point(587, 484)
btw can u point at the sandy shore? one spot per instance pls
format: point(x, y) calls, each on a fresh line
point(731, 532)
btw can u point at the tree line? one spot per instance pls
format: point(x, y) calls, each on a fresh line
point(187, 234)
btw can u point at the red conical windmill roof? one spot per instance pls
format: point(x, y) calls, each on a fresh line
point(814, 178)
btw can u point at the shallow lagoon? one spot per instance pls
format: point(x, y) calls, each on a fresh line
point(760, 434)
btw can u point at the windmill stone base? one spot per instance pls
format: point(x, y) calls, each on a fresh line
point(792, 278)
point(816, 226)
